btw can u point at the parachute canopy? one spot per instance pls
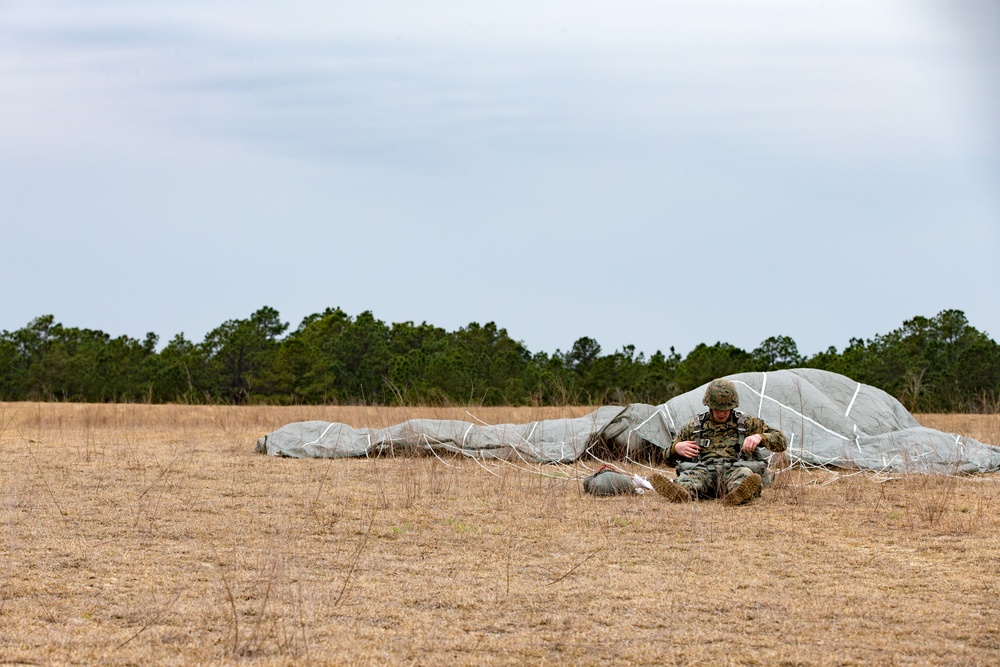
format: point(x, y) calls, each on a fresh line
point(829, 420)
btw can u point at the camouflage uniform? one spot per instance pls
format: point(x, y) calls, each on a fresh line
point(717, 470)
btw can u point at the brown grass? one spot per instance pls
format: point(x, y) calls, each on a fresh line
point(136, 534)
point(985, 428)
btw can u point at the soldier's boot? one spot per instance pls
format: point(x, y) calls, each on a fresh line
point(672, 492)
point(748, 489)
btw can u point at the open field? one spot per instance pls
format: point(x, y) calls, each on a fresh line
point(137, 534)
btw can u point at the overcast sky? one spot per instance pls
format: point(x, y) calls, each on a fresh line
point(648, 173)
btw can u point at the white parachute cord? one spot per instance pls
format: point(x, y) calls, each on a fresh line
point(517, 452)
point(513, 448)
point(434, 452)
point(478, 419)
point(482, 465)
point(534, 467)
point(629, 459)
point(607, 463)
point(568, 472)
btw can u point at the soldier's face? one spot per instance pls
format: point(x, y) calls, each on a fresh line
point(719, 415)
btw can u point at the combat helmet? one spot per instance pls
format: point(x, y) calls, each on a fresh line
point(721, 395)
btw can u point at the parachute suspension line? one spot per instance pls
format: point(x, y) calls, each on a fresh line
point(569, 471)
point(513, 448)
point(478, 419)
point(837, 476)
point(629, 459)
point(517, 452)
point(531, 447)
point(483, 465)
point(479, 461)
point(536, 470)
point(797, 460)
point(605, 463)
point(632, 431)
point(853, 398)
point(434, 451)
point(628, 449)
point(763, 388)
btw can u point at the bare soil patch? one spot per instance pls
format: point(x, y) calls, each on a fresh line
point(135, 534)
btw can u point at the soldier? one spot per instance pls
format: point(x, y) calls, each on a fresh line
point(714, 452)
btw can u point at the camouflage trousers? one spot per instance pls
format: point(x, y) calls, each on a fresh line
point(713, 478)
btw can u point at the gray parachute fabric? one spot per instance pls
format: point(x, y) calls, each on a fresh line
point(547, 441)
point(829, 419)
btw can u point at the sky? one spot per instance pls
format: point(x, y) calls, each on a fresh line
point(645, 173)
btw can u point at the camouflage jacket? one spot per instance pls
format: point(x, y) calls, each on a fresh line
point(722, 440)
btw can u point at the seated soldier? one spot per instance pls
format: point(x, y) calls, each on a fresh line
point(712, 452)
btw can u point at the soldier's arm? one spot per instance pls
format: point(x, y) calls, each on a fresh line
point(686, 433)
point(771, 438)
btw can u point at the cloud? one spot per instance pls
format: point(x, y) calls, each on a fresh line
point(343, 83)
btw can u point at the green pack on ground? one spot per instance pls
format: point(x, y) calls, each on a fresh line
point(608, 482)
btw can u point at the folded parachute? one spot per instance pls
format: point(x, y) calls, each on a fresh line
point(829, 420)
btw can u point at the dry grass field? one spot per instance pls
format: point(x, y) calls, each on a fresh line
point(137, 534)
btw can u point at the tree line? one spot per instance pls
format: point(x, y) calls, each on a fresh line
point(937, 364)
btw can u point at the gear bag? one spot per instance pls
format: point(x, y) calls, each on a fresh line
point(608, 482)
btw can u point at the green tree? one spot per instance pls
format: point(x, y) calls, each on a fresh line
point(939, 364)
point(363, 354)
point(658, 383)
point(776, 353)
point(311, 359)
point(583, 353)
point(481, 364)
point(180, 372)
point(12, 370)
point(706, 362)
point(413, 350)
point(239, 352)
point(615, 377)
point(550, 382)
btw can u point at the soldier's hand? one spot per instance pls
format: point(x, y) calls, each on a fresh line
point(751, 442)
point(688, 449)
